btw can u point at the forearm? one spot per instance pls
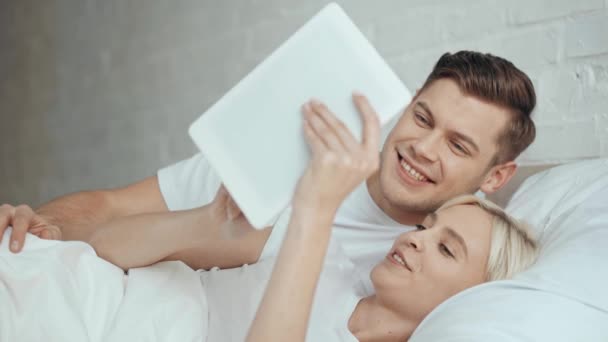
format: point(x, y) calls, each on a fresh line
point(290, 291)
point(79, 214)
point(141, 240)
point(224, 252)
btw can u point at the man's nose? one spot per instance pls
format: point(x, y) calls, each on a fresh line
point(427, 147)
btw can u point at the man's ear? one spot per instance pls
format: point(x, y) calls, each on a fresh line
point(498, 176)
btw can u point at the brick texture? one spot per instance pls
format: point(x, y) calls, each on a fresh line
point(99, 93)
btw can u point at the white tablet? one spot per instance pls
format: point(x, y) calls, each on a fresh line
point(253, 136)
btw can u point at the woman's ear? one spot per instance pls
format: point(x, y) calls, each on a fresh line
point(498, 176)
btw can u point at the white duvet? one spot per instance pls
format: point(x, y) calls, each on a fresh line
point(61, 291)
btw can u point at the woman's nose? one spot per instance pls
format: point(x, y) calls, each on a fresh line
point(414, 241)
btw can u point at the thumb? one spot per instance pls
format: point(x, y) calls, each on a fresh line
point(222, 194)
point(232, 208)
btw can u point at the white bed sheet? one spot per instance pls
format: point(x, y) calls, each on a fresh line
point(61, 291)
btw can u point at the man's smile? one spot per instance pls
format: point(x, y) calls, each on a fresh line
point(411, 174)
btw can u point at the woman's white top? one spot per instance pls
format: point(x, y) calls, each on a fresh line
point(233, 297)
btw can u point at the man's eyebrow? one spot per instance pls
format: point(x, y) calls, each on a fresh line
point(424, 106)
point(458, 135)
point(454, 235)
point(467, 139)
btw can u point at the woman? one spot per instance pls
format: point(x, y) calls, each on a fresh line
point(424, 268)
point(464, 243)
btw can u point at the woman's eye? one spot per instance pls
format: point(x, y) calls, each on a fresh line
point(445, 250)
point(420, 227)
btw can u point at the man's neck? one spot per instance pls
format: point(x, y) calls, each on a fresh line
point(371, 322)
point(398, 214)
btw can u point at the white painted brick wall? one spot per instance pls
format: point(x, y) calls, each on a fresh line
point(566, 140)
point(525, 11)
point(100, 93)
point(587, 35)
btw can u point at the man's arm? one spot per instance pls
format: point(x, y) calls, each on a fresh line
point(201, 238)
point(79, 214)
point(75, 216)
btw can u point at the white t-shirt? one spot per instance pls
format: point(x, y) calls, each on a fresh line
point(361, 229)
point(233, 296)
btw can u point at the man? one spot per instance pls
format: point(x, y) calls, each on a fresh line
point(460, 133)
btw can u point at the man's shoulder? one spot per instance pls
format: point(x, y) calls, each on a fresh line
point(188, 183)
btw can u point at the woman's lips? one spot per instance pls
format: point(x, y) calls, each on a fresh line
point(397, 258)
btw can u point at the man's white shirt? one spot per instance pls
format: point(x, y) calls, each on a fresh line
point(361, 230)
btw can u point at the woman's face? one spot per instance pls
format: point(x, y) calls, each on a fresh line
point(445, 255)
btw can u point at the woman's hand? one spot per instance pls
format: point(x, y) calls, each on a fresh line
point(339, 162)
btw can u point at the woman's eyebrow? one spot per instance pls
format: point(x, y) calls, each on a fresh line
point(433, 217)
point(459, 239)
point(451, 233)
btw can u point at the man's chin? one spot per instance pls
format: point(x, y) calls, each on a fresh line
point(413, 202)
point(423, 208)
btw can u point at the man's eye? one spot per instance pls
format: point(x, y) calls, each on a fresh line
point(421, 119)
point(420, 227)
point(445, 250)
point(459, 148)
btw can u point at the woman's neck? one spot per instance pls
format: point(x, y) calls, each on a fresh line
point(372, 321)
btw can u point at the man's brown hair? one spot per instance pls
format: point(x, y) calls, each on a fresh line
point(498, 81)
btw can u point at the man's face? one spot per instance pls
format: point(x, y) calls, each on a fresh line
point(447, 253)
point(441, 147)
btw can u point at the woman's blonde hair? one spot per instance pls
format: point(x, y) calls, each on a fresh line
point(512, 247)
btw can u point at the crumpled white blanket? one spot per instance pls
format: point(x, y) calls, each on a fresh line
point(61, 291)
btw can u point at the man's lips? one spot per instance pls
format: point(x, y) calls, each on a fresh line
point(412, 170)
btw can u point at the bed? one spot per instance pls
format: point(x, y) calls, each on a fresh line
point(63, 292)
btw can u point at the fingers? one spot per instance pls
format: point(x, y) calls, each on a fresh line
point(221, 193)
point(371, 123)
point(21, 224)
point(327, 134)
point(339, 162)
point(45, 234)
point(232, 209)
point(337, 126)
point(6, 216)
point(335, 135)
point(317, 145)
point(50, 233)
point(226, 204)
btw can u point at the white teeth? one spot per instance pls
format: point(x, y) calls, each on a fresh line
point(410, 170)
point(398, 258)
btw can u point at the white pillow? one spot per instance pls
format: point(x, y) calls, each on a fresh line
point(564, 296)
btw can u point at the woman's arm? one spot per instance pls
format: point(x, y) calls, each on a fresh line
point(339, 163)
point(283, 313)
point(201, 238)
